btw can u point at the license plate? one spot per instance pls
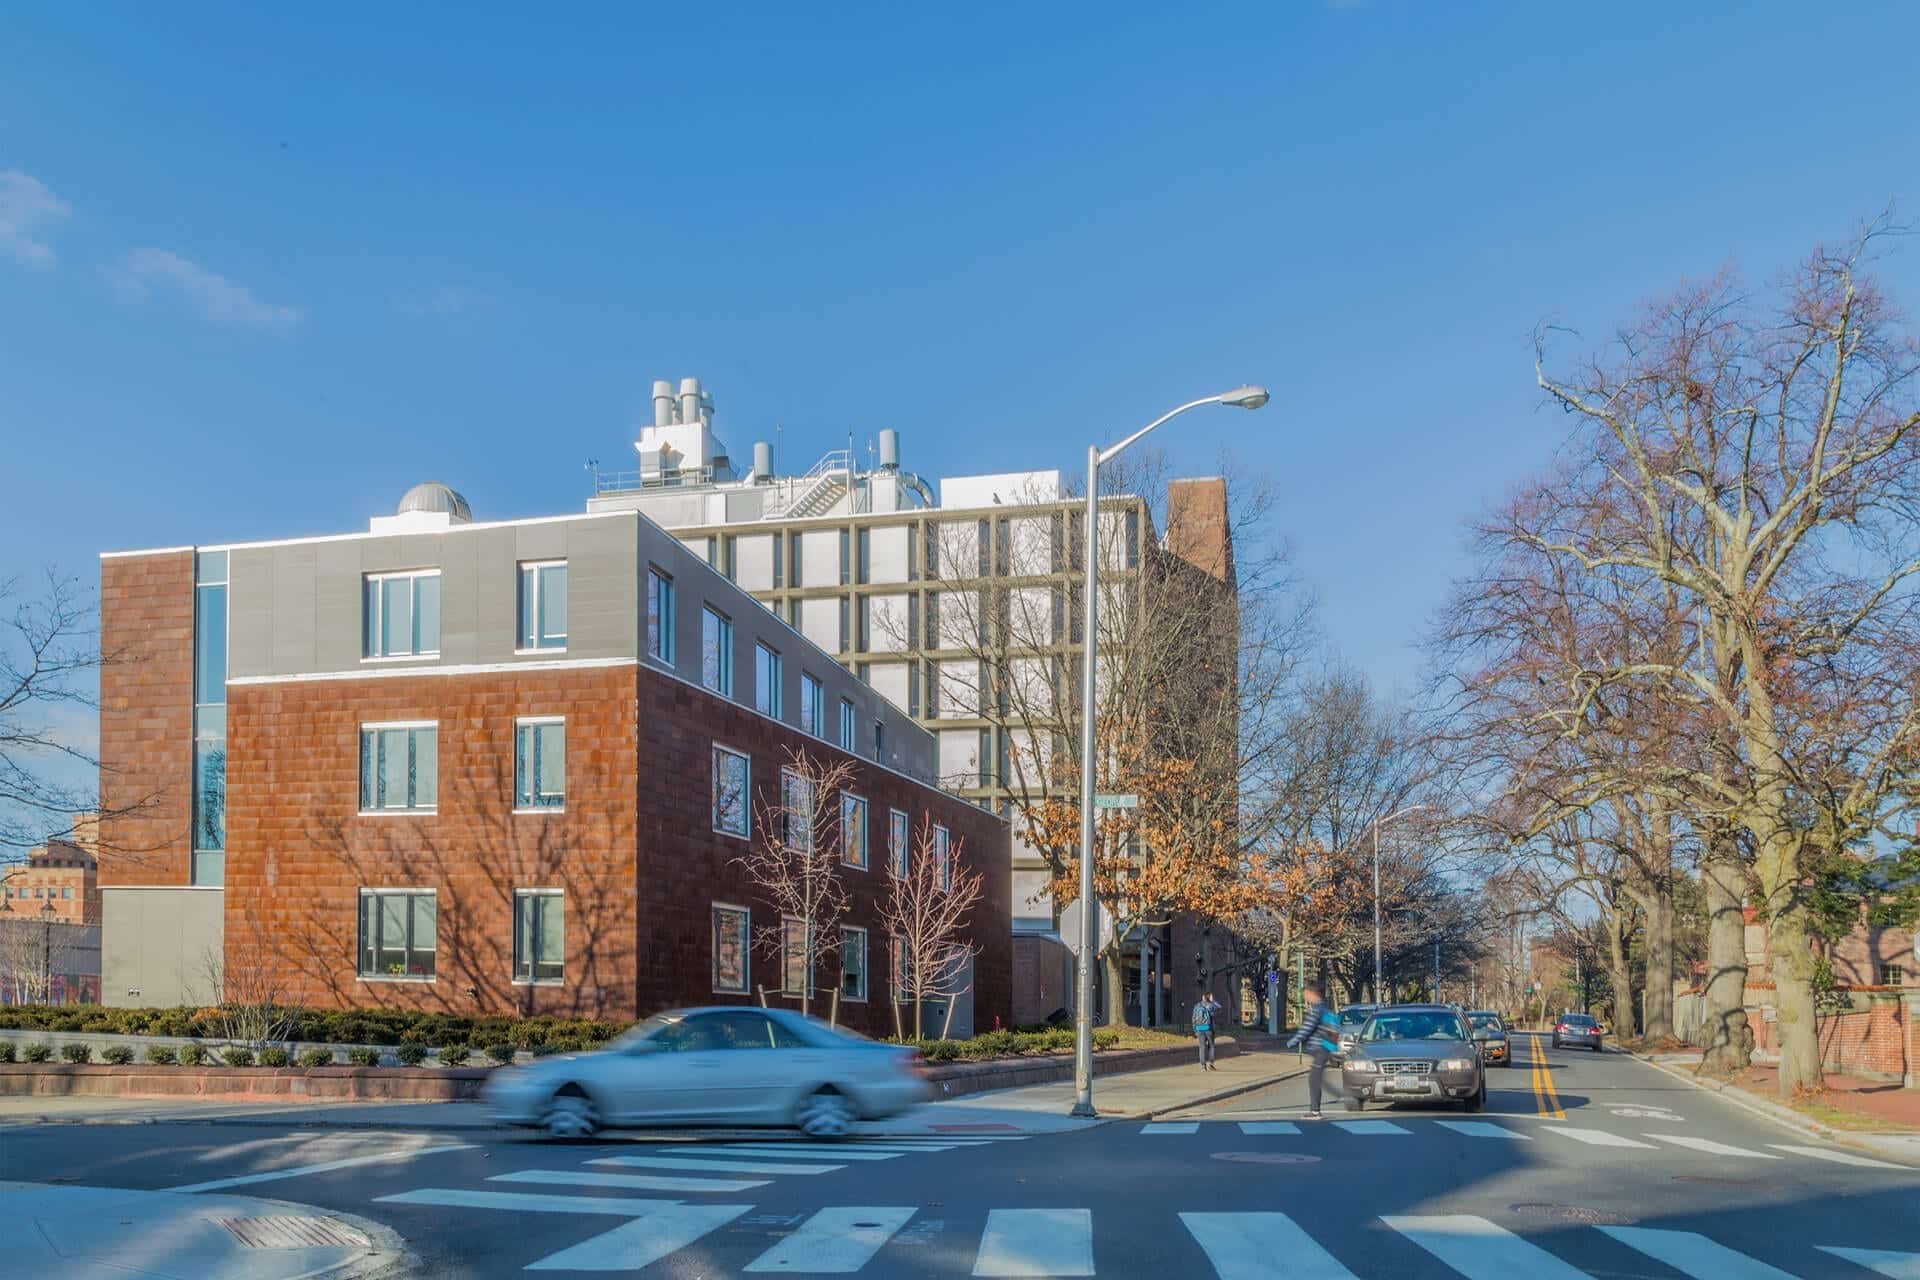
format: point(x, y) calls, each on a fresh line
point(1408, 1082)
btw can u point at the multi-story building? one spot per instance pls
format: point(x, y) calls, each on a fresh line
point(504, 766)
point(901, 579)
point(60, 874)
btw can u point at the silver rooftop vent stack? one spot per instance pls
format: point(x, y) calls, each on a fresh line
point(889, 449)
point(690, 399)
point(435, 497)
point(762, 462)
point(662, 403)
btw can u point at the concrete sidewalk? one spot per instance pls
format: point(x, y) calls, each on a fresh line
point(100, 1233)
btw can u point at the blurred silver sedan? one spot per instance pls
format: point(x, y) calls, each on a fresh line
point(727, 1066)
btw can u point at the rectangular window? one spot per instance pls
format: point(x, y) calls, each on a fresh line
point(779, 561)
point(942, 861)
point(397, 929)
point(539, 939)
point(732, 791)
point(731, 954)
point(853, 963)
point(1892, 975)
point(716, 652)
point(846, 558)
point(796, 810)
point(400, 615)
point(863, 555)
point(853, 831)
point(399, 768)
point(844, 642)
point(879, 742)
point(897, 955)
point(897, 841)
point(543, 605)
point(848, 721)
point(795, 972)
point(539, 763)
point(813, 706)
point(728, 555)
point(209, 860)
point(660, 616)
point(766, 681)
point(66, 891)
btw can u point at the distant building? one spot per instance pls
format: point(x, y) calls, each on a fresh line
point(59, 878)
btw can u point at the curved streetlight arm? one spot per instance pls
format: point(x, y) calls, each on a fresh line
point(1108, 452)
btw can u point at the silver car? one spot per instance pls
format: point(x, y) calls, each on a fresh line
point(728, 1066)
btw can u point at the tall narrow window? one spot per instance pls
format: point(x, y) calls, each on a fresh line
point(853, 831)
point(848, 720)
point(796, 969)
point(716, 652)
point(543, 605)
point(796, 810)
point(846, 557)
point(732, 792)
point(660, 616)
point(400, 614)
point(853, 963)
point(813, 706)
point(397, 933)
point(399, 768)
point(942, 857)
point(540, 763)
point(766, 681)
point(897, 841)
point(879, 742)
point(209, 861)
point(732, 958)
point(539, 938)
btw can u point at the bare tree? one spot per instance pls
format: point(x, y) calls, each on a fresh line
point(252, 984)
point(48, 657)
point(794, 863)
point(26, 960)
point(930, 892)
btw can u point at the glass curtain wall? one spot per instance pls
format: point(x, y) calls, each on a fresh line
point(209, 719)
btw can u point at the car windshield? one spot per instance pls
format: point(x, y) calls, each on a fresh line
point(1484, 1021)
point(1412, 1026)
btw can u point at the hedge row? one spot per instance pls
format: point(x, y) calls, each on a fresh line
point(348, 1026)
point(1010, 1044)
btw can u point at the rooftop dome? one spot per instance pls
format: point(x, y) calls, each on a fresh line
point(434, 496)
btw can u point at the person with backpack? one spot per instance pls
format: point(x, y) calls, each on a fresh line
point(1204, 1010)
point(1318, 1039)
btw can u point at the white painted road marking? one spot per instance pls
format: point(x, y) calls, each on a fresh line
point(1171, 1126)
point(633, 1245)
point(1599, 1138)
point(1692, 1254)
point(1479, 1250)
point(1369, 1128)
point(690, 1165)
point(1482, 1129)
point(526, 1201)
point(1036, 1242)
point(1712, 1148)
point(1840, 1157)
point(1894, 1266)
point(628, 1181)
point(1263, 1128)
point(834, 1241)
point(798, 1151)
point(301, 1171)
point(1258, 1246)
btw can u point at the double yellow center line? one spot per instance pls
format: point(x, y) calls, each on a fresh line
point(1543, 1091)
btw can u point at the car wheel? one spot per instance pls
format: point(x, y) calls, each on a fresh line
point(570, 1114)
point(826, 1114)
point(1356, 1104)
point(1478, 1101)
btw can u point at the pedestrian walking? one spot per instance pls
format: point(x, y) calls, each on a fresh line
point(1204, 1010)
point(1315, 1036)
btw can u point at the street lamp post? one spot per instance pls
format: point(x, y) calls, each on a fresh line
point(1378, 996)
point(1243, 398)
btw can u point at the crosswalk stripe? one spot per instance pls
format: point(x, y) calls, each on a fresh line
point(633, 1245)
point(1369, 1128)
point(783, 1152)
point(824, 1148)
point(1036, 1242)
point(328, 1166)
point(834, 1240)
point(1482, 1129)
point(691, 1165)
point(525, 1202)
point(1265, 1128)
point(1479, 1250)
point(1599, 1138)
point(1692, 1254)
point(627, 1181)
point(1838, 1157)
point(1171, 1126)
point(1894, 1266)
point(1250, 1246)
point(1710, 1147)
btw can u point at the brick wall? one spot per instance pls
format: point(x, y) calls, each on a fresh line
point(1874, 1042)
point(146, 718)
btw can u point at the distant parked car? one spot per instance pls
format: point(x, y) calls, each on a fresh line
point(1490, 1033)
point(1415, 1052)
point(1577, 1029)
point(716, 1066)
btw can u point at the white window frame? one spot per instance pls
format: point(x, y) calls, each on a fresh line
point(381, 596)
point(776, 671)
point(359, 756)
point(746, 948)
point(528, 603)
point(866, 824)
point(516, 980)
point(659, 627)
point(813, 705)
point(746, 798)
point(943, 855)
point(866, 975)
point(359, 938)
point(899, 853)
point(527, 722)
point(723, 652)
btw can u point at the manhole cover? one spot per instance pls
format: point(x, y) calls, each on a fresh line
point(1265, 1157)
point(1583, 1214)
point(292, 1233)
point(1741, 1184)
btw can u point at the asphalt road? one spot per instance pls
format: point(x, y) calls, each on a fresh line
point(1583, 1165)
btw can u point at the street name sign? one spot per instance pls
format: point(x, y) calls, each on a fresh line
point(1116, 802)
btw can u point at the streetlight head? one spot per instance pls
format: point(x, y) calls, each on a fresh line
point(1246, 398)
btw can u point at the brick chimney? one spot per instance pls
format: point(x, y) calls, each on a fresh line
point(1197, 529)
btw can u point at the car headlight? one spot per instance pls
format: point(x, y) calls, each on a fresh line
point(1362, 1064)
point(1457, 1064)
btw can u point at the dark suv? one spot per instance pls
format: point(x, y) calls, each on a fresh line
point(1414, 1053)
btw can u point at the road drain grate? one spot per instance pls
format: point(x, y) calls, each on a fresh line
point(1577, 1213)
point(292, 1233)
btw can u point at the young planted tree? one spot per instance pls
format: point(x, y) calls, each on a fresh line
point(793, 863)
point(930, 892)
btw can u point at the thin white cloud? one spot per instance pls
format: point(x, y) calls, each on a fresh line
point(25, 205)
point(222, 299)
point(447, 300)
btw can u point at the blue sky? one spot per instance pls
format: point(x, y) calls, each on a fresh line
point(261, 270)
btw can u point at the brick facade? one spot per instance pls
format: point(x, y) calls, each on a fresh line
point(1877, 1038)
point(146, 718)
